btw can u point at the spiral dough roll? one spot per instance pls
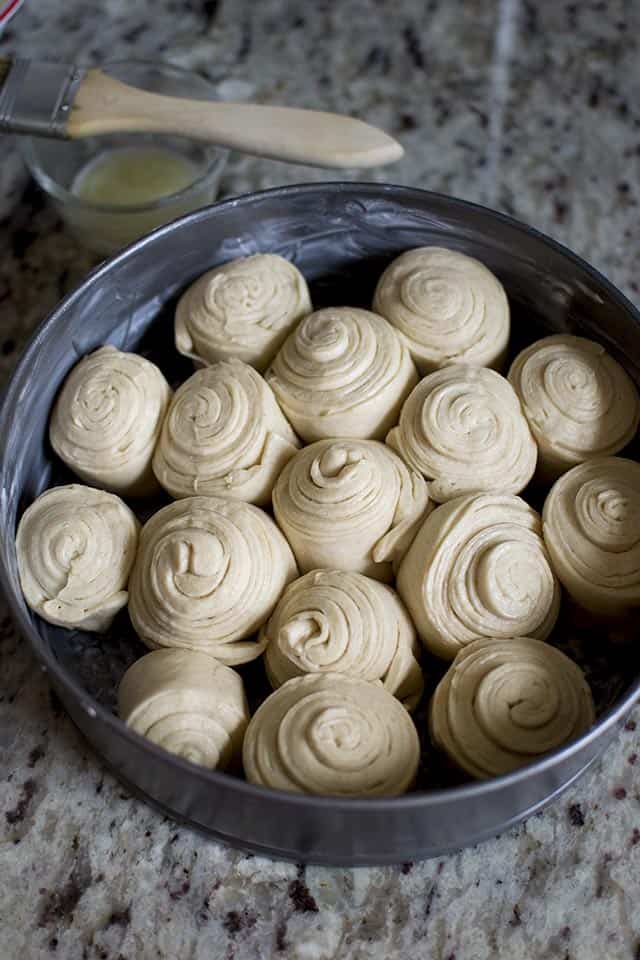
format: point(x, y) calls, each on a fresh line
point(188, 703)
point(331, 734)
point(591, 523)
point(243, 309)
point(463, 428)
point(208, 574)
point(580, 403)
point(224, 435)
point(342, 373)
point(75, 547)
point(349, 505)
point(332, 621)
point(477, 568)
point(446, 306)
point(504, 702)
point(107, 419)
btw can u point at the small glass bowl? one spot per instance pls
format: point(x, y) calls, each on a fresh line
point(105, 228)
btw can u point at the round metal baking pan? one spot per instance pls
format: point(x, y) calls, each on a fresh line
point(341, 235)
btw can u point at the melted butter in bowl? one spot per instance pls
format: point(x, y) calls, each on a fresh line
point(132, 176)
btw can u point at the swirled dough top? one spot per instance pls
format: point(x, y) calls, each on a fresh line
point(478, 567)
point(208, 574)
point(580, 403)
point(107, 419)
point(342, 373)
point(224, 435)
point(463, 428)
point(326, 733)
point(187, 702)
point(349, 505)
point(243, 309)
point(502, 703)
point(75, 547)
point(336, 621)
point(591, 523)
point(446, 306)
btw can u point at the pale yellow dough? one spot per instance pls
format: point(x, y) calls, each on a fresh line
point(208, 574)
point(580, 403)
point(478, 567)
point(503, 703)
point(224, 435)
point(463, 428)
point(336, 621)
point(332, 734)
point(188, 703)
point(349, 505)
point(243, 309)
point(342, 373)
point(447, 308)
point(75, 547)
point(591, 524)
point(107, 419)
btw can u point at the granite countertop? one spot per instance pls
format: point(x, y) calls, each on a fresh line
point(530, 108)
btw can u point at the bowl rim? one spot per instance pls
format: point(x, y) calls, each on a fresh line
point(422, 799)
point(50, 186)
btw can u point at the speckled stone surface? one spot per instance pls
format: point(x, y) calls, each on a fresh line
point(531, 108)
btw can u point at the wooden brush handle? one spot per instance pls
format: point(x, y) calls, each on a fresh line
point(106, 105)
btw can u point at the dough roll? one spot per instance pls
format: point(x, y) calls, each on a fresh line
point(208, 574)
point(224, 435)
point(349, 505)
point(446, 306)
point(189, 704)
point(107, 419)
point(332, 734)
point(503, 703)
point(335, 621)
point(75, 547)
point(478, 567)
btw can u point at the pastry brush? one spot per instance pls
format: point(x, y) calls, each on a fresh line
point(54, 100)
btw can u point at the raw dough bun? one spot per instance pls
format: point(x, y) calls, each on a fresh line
point(224, 435)
point(107, 419)
point(243, 309)
point(208, 574)
point(349, 505)
point(335, 621)
point(580, 403)
point(75, 547)
point(591, 524)
point(342, 373)
point(503, 703)
point(326, 733)
point(463, 428)
point(188, 703)
point(446, 306)
point(478, 567)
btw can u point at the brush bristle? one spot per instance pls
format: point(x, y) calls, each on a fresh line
point(5, 66)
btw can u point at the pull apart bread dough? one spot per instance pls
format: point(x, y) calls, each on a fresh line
point(580, 403)
point(478, 567)
point(188, 703)
point(224, 435)
point(591, 523)
point(335, 621)
point(243, 309)
point(349, 505)
point(75, 547)
point(208, 574)
point(332, 734)
point(463, 428)
point(447, 308)
point(503, 703)
point(342, 373)
point(107, 419)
